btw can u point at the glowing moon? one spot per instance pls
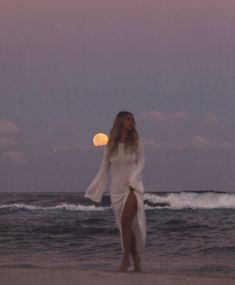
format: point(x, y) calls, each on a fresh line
point(100, 139)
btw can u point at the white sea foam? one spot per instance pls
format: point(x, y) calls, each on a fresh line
point(183, 200)
point(63, 206)
point(20, 206)
point(72, 207)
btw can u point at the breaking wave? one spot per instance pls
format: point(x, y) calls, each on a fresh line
point(63, 206)
point(190, 200)
point(173, 200)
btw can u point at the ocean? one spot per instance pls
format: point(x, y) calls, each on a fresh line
point(187, 232)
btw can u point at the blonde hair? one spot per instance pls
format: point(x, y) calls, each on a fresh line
point(132, 139)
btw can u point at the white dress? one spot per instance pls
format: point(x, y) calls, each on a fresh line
point(126, 170)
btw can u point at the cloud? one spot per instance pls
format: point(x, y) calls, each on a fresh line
point(200, 142)
point(6, 143)
point(55, 148)
point(210, 119)
point(8, 127)
point(160, 117)
point(10, 151)
point(14, 157)
point(197, 143)
point(163, 145)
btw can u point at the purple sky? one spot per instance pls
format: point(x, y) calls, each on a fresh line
point(67, 68)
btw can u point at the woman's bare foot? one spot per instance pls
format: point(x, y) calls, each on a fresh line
point(124, 265)
point(136, 261)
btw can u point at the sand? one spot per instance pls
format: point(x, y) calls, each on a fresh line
point(31, 276)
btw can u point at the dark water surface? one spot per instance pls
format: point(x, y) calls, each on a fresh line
point(188, 232)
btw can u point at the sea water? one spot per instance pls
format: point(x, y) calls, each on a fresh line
point(187, 232)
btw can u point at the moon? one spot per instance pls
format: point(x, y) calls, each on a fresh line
point(100, 139)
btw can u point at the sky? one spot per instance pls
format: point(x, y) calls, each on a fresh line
point(68, 67)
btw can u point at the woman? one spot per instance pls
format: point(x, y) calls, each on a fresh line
point(125, 156)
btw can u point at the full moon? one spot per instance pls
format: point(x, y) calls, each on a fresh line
point(100, 139)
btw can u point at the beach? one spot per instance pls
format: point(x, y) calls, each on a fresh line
point(19, 276)
point(61, 238)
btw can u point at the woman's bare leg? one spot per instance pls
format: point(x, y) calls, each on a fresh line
point(128, 214)
point(134, 254)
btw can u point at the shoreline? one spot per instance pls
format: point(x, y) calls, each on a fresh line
point(62, 276)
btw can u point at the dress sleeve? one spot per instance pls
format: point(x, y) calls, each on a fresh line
point(96, 189)
point(136, 180)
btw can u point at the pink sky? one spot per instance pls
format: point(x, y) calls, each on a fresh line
point(67, 67)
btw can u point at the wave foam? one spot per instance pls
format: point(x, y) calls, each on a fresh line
point(63, 206)
point(183, 200)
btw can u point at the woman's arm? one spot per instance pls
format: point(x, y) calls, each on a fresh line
point(96, 189)
point(136, 182)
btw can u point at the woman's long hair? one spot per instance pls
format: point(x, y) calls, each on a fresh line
point(132, 139)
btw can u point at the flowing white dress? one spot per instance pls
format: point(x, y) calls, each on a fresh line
point(126, 171)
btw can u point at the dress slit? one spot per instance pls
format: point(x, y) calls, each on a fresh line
point(138, 222)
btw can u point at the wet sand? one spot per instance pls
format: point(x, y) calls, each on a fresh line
point(24, 276)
